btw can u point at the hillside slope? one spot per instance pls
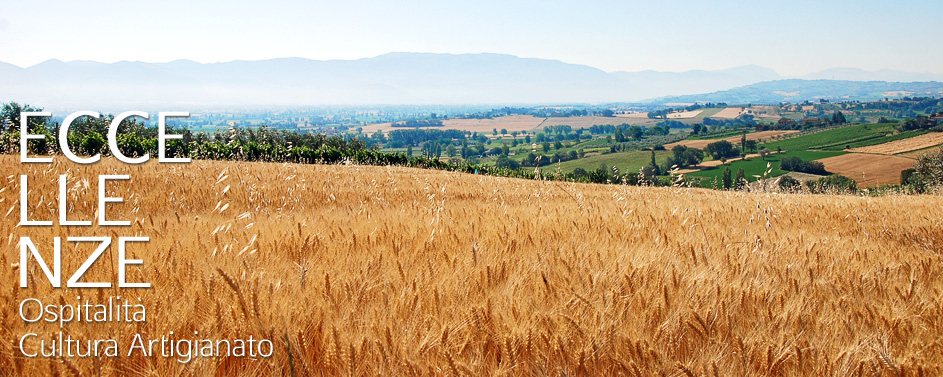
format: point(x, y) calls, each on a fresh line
point(396, 271)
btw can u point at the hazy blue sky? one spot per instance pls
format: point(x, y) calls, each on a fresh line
point(793, 38)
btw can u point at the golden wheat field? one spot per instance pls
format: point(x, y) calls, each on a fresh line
point(370, 271)
point(729, 113)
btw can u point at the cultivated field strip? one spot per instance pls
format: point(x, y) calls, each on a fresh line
point(702, 143)
point(364, 271)
point(905, 145)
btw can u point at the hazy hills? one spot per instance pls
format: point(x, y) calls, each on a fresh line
point(652, 84)
point(855, 74)
point(396, 78)
point(795, 90)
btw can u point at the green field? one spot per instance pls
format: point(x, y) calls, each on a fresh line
point(757, 166)
point(881, 140)
point(626, 161)
point(837, 139)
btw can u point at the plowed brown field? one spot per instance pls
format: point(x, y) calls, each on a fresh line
point(868, 169)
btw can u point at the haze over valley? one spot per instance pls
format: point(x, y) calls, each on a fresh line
point(399, 78)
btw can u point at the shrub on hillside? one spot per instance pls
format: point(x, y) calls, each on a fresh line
point(789, 184)
point(928, 171)
point(792, 163)
point(833, 184)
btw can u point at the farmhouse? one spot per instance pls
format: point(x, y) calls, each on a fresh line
point(785, 123)
point(814, 122)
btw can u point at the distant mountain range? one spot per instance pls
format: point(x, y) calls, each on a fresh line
point(395, 78)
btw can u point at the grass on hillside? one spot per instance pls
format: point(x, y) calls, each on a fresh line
point(859, 135)
point(876, 141)
point(630, 161)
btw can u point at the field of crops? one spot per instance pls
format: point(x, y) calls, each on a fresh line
point(915, 143)
point(838, 139)
point(363, 271)
point(700, 144)
point(685, 114)
point(625, 161)
point(916, 154)
point(757, 166)
point(729, 113)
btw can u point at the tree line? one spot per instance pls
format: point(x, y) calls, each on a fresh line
point(87, 137)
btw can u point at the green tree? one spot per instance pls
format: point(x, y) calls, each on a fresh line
point(683, 156)
point(378, 137)
point(741, 179)
point(838, 118)
point(507, 163)
point(727, 179)
point(789, 184)
point(93, 144)
point(10, 117)
point(929, 170)
point(696, 129)
point(655, 170)
point(832, 184)
point(721, 149)
point(751, 145)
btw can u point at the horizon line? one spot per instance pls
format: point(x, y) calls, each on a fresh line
point(188, 60)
